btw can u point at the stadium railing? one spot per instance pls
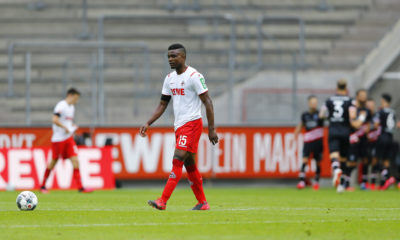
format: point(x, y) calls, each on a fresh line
point(97, 88)
point(212, 18)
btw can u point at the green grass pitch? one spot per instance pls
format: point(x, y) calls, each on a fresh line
point(237, 213)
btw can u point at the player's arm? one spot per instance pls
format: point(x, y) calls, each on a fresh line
point(57, 122)
point(298, 129)
point(356, 122)
point(157, 114)
point(212, 135)
point(323, 112)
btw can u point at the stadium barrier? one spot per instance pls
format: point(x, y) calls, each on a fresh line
point(242, 153)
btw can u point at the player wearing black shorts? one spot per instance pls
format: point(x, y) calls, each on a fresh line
point(313, 145)
point(358, 138)
point(386, 118)
point(372, 136)
point(337, 110)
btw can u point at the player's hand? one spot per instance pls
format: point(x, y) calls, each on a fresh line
point(212, 135)
point(66, 131)
point(143, 130)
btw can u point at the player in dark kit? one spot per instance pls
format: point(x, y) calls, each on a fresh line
point(386, 119)
point(337, 110)
point(372, 136)
point(358, 139)
point(313, 144)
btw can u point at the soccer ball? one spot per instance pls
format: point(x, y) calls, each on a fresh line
point(27, 201)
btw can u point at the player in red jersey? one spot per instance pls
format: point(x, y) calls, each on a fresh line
point(187, 88)
point(62, 141)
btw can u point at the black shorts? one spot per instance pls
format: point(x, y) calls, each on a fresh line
point(385, 147)
point(371, 150)
point(314, 148)
point(358, 151)
point(339, 144)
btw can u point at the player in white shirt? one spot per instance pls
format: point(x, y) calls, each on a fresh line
point(188, 90)
point(62, 141)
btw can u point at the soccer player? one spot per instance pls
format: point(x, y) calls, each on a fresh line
point(337, 110)
point(187, 88)
point(358, 139)
point(62, 141)
point(313, 144)
point(373, 135)
point(386, 119)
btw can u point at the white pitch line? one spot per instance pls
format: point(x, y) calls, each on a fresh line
point(214, 210)
point(304, 208)
point(180, 223)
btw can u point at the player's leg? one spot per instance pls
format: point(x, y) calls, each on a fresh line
point(47, 172)
point(55, 146)
point(334, 147)
point(386, 179)
point(176, 173)
point(318, 157)
point(174, 177)
point(351, 164)
point(386, 175)
point(71, 153)
point(302, 174)
point(384, 153)
point(196, 183)
point(77, 175)
point(344, 146)
point(365, 162)
point(374, 173)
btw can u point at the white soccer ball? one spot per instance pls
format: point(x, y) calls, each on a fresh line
point(27, 201)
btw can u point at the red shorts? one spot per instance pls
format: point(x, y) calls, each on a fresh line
point(65, 149)
point(188, 135)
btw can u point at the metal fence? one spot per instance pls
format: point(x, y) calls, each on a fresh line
point(93, 69)
point(97, 54)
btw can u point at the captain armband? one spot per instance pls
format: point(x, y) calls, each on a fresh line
point(166, 98)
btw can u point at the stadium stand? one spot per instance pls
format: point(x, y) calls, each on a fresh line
point(330, 32)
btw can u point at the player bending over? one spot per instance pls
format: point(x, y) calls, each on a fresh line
point(187, 88)
point(313, 144)
point(62, 141)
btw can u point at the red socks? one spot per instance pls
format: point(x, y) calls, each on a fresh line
point(173, 179)
point(196, 183)
point(77, 177)
point(46, 175)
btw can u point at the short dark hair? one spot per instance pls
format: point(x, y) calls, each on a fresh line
point(342, 84)
point(361, 90)
point(387, 97)
point(311, 97)
point(73, 91)
point(177, 46)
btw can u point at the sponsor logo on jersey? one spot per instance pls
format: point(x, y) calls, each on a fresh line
point(203, 82)
point(178, 91)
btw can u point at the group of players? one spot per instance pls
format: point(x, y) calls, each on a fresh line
point(357, 133)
